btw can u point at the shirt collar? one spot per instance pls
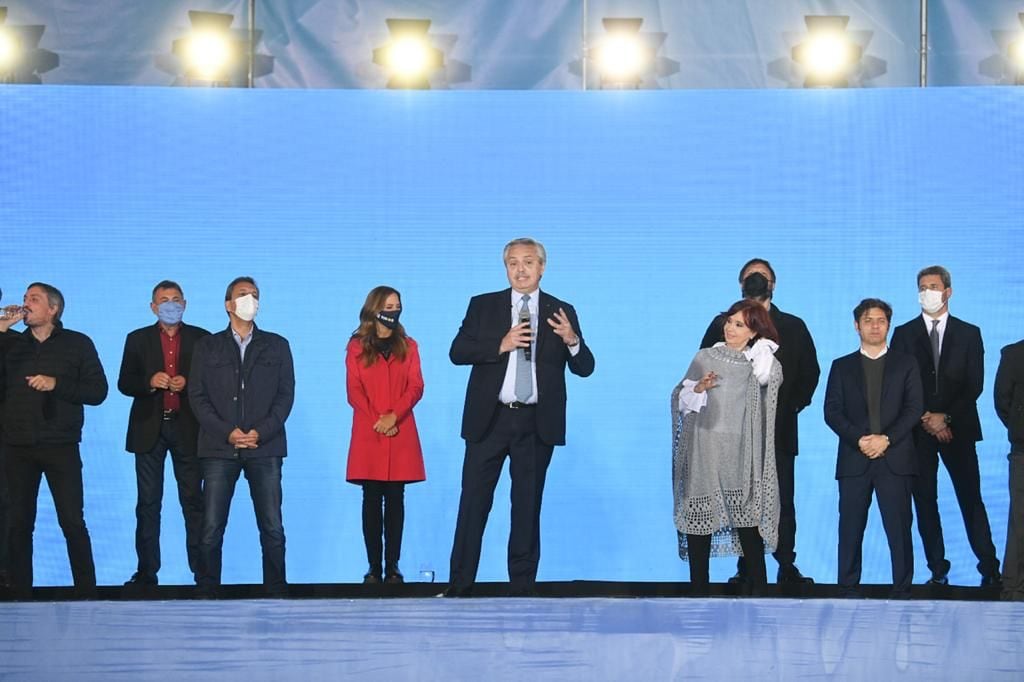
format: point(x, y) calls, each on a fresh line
point(884, 351)
point(517, 298)
point(941, 318)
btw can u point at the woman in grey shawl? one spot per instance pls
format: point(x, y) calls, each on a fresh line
point(723, 448)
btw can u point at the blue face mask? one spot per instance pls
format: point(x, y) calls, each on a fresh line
point(170, 312)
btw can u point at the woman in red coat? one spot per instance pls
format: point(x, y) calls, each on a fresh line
point(384, 382)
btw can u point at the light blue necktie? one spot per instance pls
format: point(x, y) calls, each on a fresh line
point(524, 371)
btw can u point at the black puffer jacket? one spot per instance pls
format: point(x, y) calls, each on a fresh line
point(34, 418)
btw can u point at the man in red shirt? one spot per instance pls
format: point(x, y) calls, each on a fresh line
point(154, 368)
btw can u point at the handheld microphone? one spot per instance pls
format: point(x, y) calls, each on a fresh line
point(524, 316)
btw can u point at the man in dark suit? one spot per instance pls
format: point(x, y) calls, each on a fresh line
point(242, 386)
point(154, 367)
point(951, 357)
point(800, 374)
point(1009, 399)
point(872, 402)
point(519, 342)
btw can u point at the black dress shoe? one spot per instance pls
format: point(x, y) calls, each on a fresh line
point(791, 575)
point(141, 579)
point(206, 591)
point(373, 575)
point(454, 592)
point(738, 579)
point(937, 580)
point(139, 585)
point(994, 580)
point(392, 576)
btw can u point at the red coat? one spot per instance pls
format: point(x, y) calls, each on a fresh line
point(386, 386)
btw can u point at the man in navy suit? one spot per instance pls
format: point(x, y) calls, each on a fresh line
point(873, 402)
point(154, 367)
point(518, 342)
point(951, 356)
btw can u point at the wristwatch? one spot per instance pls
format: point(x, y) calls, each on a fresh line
point(948, 418)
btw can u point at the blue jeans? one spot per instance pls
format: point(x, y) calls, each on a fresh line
point(149, 475)
point(219, 479)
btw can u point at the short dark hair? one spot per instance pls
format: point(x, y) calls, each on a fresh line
point(53, 297)
point(869, 303)
point(947, 280)
point(167, 284)
point(244, 279)
point(757, 261)
point(755, 317)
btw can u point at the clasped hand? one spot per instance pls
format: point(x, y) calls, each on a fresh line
point(165, 382)
point(244, 440)
point(873, 446)
point(387, 424)
point(934, 423)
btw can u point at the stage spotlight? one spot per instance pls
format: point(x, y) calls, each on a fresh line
point(621, 55)
point(409, 57)
point(9, 51)
point(21, 58)
point(1016, 52)
point(828, 55)
point(210, 53)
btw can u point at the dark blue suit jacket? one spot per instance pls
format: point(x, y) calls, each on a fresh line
point(846, 412)
point(961, 371)
point(487, 320)
point(255, 394)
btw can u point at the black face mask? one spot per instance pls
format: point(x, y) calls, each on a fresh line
point(389, 318)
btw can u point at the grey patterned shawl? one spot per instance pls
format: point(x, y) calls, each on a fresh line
point(723, 457)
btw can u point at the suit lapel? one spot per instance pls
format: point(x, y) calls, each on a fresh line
point(857, 372)
point(546, 308)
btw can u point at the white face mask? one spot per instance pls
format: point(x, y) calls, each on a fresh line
point(246, 307)
point(930, 300)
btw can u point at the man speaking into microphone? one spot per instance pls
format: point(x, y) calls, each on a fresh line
point(518, 342)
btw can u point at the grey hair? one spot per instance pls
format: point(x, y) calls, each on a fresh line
point(943, 273)
point(53, 297)
point(526, 241)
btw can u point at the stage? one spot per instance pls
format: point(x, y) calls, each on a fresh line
point(590, 631)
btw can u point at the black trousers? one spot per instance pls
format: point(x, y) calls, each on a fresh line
point(149, 477)
point(698, 549)
point(960, 458)
point(62, 466)
point(1013, 559)
point(383, 518)
point(4, 514)
point(785, 551)
point(893, 493)
point(513, 435)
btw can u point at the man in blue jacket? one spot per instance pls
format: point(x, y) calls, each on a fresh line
point(873, 401)
point(241, 387)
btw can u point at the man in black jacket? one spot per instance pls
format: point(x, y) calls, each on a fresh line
point(49, 373)
point(951, 357)
point(154, 368)
point(800, 372)
point(1009, 399)
point(519, 342)
point(241, 386)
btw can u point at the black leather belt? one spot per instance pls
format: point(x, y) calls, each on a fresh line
point(516, 405)
point(169, 415)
